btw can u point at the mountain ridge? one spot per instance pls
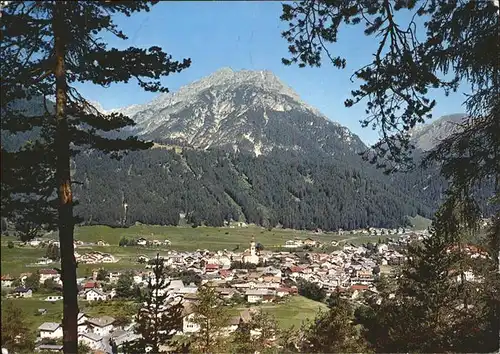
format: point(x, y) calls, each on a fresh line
point(238, 110)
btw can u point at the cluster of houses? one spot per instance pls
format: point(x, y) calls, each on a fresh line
point(299, 243)
point(96, 333)
point(155, 243)
point(94, 257)
point(37, 242)
point(374, 231)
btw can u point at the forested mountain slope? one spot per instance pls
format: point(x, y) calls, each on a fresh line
point(212, 186)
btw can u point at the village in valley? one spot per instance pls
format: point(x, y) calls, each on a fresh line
point(272, 278)
point(255, 276)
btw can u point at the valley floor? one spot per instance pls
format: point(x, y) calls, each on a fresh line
point(20, 259)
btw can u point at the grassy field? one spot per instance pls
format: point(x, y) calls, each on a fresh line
point(30, 308)
point(290, 313)
point(294, 311)
point(18, 259)
point(419, 222)
point(54, 312)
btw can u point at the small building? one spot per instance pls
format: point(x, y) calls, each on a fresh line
point(35, 242)
point(82, 322)
point(226, 293)
point(93, 340)
point(56, 348)
point(46, 274)
point(43, 261)
point(142, 241)
point(95, 295)
point(51, 330)
point(42, 312)
point(188, 315)
point(211, 268)
point(101, 325)
point(259, 295)
point(310, 242)
point(52, 298)
point(7, 280)
point(23, 292)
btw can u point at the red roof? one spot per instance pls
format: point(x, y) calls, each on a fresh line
point(359, 287)
point(224, 272)
point(7, 277)
point(212, 266)
point(296, 269)
point(48, 271)
point(91, 285)
point(284, 290)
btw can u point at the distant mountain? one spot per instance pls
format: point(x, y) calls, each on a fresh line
point(242, 111)
point(428, 185)
point(426, 137)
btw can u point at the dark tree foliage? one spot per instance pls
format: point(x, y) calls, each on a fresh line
point(458, 41)
point(46, 48)
point(53, 252)
point(124, 286)
point(33, 281)
point(434, 307)
point(15, 331)
point(102, 274)
point(242, 265)
point(310, 290)
point(187, 276)
point(158, 318)
point(214, 186)
point(333, 331)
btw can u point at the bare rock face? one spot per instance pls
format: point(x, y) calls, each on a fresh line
point(250, 111)
point(427, 136)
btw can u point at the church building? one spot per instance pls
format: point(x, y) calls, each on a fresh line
point(251, 256)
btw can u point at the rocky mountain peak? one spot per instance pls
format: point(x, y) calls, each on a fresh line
point(242, 110)
point(426, 136)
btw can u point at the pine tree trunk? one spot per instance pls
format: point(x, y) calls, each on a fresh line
point(65, 209)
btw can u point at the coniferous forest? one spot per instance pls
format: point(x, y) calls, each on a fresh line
point(211, 187)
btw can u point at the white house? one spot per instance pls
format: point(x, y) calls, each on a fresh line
point(291, 244)
point(82, 322)
point(258, 295)
point(35, 242)
point(50, 330)
point(108, 258)
point(188, 324)
point(188, 315)
point(46, 274)
point(382, 248)
point(23, 292)
point(94, 295)
point(93, 340)
point(52, 298)
point(44, 261)
point(101, 325)
point(142, 242)
point(7, 281)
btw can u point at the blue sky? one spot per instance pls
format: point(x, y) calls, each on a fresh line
point(245, 35)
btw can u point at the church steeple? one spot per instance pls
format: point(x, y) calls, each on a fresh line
point(252, 247)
